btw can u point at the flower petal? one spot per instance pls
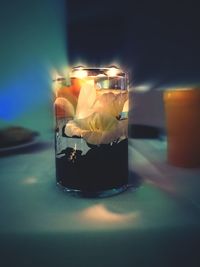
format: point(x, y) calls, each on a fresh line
point(111, 103)
point(99, 128)
point(86, 100)
point(63, 108)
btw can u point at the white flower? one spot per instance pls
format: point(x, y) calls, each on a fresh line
point(96, 116)
point(98, 128)
point(111, 103)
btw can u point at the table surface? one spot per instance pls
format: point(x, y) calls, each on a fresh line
point(157, 222)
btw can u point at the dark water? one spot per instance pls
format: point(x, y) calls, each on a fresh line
point(102, 168)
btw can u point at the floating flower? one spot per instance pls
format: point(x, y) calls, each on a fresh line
point(111, 102)
point(86, 101)
point(96, 116)
point(98, 128)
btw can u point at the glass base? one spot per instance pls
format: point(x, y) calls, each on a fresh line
point(95, 194)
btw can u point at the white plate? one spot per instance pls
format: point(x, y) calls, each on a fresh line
point(35, 140)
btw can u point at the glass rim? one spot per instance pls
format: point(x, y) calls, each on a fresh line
point(99, 71)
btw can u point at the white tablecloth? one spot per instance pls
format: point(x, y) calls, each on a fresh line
point(156, 224)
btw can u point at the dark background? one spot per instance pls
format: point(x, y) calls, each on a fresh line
point(157, 41)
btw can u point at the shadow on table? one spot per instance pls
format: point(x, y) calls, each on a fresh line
point(141, 131)
point(135, 180)
point(34, 148)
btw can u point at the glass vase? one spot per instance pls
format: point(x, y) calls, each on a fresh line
point(91, 136)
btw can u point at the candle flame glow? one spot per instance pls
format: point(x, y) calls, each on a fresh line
point(100, 214)
point(30, 181)
point(80, 73)
point(112, 72)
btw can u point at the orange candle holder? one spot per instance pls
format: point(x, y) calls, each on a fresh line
point(182, 109)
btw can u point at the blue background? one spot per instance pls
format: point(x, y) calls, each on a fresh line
point(33, 43)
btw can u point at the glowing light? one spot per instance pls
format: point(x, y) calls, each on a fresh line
point(99, 213)
point(30, 181)
point(112, 72)
point(142, 88)
point(54, 74)
point(101, 75)
point(80, 73)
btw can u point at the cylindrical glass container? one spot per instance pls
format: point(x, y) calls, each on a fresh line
point(92, 132)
